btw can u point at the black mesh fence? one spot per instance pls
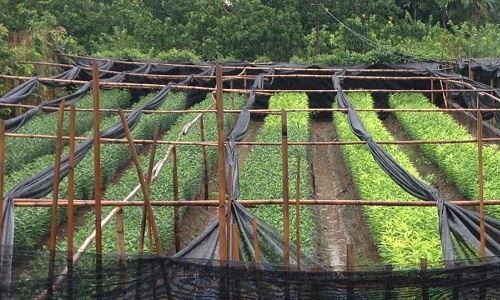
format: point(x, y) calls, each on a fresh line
point(155, 277)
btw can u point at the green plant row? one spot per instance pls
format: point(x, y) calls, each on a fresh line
point(22, 151)
point(190, 176)
point(403, 234)
point(261, 175)
point(459, 162)
point(33, 223)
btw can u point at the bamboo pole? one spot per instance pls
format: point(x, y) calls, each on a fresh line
point(221, 166)
point(97, 177)
point(55, 196)
point(423, 269)
point(156, 136)
point(255, 240)
point(270, 110)
point(71, 183)
point(236, 242)
point(120, 236)
point(71, 196)
point(432, 93)
point(229, 220)
point(297, 215)
point(238, 91)
point(479, 132)
point(144, 186)
point(205, 161)
point(214, 144)
point(23, 202)
point(286, 216)
point(2, 174)
point(176, 198)
point(97, 159)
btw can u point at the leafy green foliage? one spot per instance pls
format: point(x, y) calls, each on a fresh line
point(459, 162)
point(21, 151)
point(190, 172)
point(262, 173)
point(113, 157)
point(404, 234)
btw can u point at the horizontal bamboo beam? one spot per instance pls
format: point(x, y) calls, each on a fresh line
point(255, 67)
point(265, 111)
point(241, 91)
point(209, 143)
point(23, 202)
point(304, 75)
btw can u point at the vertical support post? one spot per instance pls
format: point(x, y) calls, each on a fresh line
point(479, 132)
point(71, 197)
point(423, 269)
point(255, 240)
point(175, 182)
point(97, 177)
point(97, 159)
point(236, 242)
point(432, 91)
point(71, 182)
point(205, 162)
point(2, 170)
point(144, 186)
point(297, 215)
point(221, 164)
point(229, 207)
point(471, 73)
point(55, 196)
point(120, 239)
point(286, 198)
point(447, 95)
point(156, 136)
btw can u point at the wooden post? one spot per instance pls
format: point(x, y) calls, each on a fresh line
point(205, 162)
point(229, 208)
point(71, 197)
point(144, 187)
point(471, 73)
point(120, 238)
point(297, 215)
point(97, 159)
point(432, 93)
point(447, 96)
point(255, 240)
point(55, 196)
point(221, 165)
point(236, 242)
point(176, 198)
point(156, 136)
point(286, 216)
point(97, 177)
point(2, 170)
point(479, 132)
point(71, 182)
point(423, 269)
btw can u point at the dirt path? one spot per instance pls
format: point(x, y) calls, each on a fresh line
point(338, 225)
point(196, 219)
point(429, 172)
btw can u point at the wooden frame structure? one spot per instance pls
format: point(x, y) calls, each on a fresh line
point(228, 234)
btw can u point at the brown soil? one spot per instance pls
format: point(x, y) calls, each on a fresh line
point(429, 172)
point(337, 225)
point(196, 219)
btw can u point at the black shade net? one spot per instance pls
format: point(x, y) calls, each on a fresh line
point(40, 184)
